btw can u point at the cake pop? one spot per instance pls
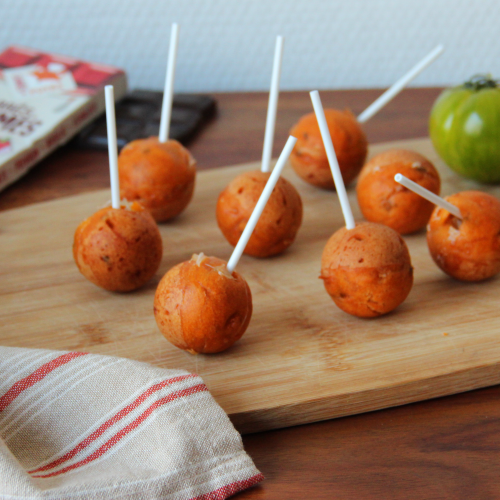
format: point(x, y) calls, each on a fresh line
point(282, 216)
point(202, 308)
point(366, 268)
point(279, 223)
point(157, 172)
point(467, 249)
point(381, 199)
point(309, 159)
point(203, 305)
point(463, 234)
point(119, 248)
point(159, 175)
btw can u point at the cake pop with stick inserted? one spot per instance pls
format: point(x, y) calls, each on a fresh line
point(463, 234)
point(203, 305)
point(159, 172)
point(119, 248)
point(309, 159)
point(381, 199)
point(366, 268)
point(282, 217)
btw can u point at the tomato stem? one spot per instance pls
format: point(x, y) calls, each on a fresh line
point(479, 82)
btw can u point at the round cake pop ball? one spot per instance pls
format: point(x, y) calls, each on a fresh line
point(309, 158)
point(278, 225)
point(467, 249)
point(118, 249)
point(385, 201)
point(367, 270)
point(202, 308)
point(159, 175)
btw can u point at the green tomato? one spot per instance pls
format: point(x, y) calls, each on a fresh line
point(465, 129)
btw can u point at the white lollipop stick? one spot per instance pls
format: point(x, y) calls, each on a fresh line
point(112, 145)
point(397, 87)
point(273, 105)
point(428, 195)
point(168, 93)
point(332, 160)
point(261, 203)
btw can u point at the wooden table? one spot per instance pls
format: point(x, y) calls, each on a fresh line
point(445, 448)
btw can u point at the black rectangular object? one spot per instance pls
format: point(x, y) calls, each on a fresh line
point(138, 116)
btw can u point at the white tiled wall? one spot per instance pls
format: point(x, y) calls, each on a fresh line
point(227, 44)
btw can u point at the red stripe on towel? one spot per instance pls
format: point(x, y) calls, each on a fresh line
point(118, 416)
point(35, 377)
point(118, 436)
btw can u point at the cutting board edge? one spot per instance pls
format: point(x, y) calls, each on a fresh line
point(343, 405)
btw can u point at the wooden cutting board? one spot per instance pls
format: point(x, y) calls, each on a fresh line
point(301, 359)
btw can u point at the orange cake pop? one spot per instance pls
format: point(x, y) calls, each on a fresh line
point(463, 234)
point(309, 159)
point(157, 172)
point(159, 175)
point(118, 248)
point(383, 200)
point(279, 223)
point(467, 249)
point(366, 268)
point(202, 308)
point(282, 216)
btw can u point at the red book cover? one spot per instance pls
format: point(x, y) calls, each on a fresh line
point(45, 99)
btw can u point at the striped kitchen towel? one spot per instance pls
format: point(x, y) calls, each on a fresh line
point(81, 426)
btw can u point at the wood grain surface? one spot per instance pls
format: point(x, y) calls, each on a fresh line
point(445, 448)
point(301, 359)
